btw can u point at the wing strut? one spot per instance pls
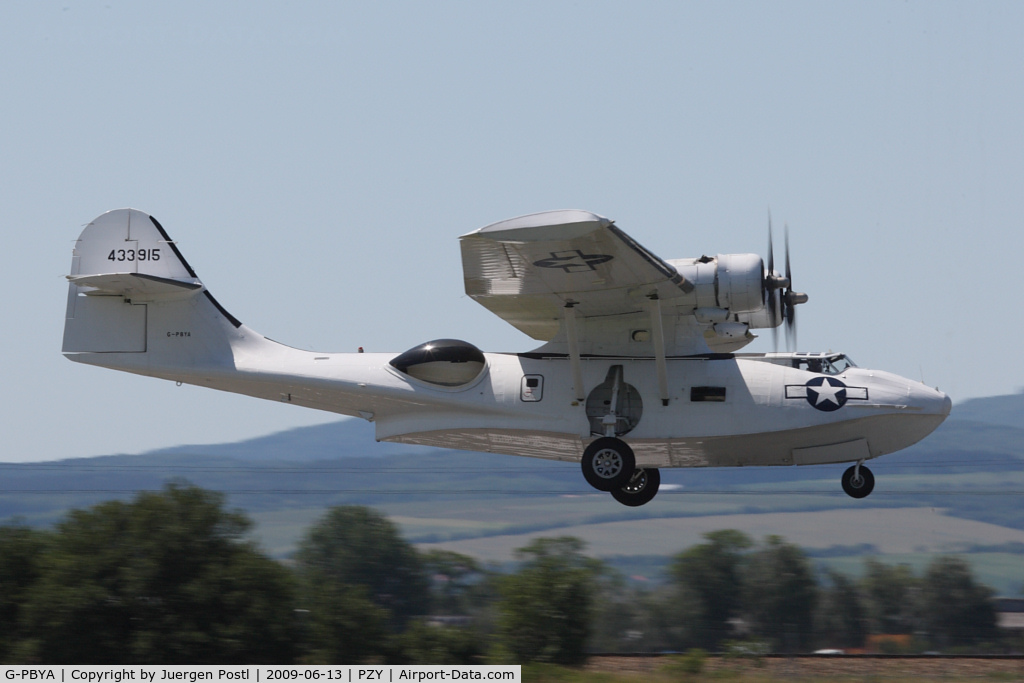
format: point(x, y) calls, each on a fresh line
point(658, 336)
point(574, 351)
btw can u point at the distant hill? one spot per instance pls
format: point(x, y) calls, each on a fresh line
point(344, 460)
point(342, 439)
point(353, 438)
point(998, 410)
point(972, 468)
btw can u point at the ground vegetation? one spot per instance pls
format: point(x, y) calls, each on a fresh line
point(173, 576)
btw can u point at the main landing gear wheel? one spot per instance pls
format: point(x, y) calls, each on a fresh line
point(641, 488)
point(858, 486)
point(608, 464)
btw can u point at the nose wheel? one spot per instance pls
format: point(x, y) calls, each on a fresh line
point(858, 481)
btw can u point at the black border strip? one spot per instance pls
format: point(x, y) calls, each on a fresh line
point(793, 656)
point(168, 281)
point(665, 269)
point(174, 247)
point(695, 356)
point(232, 319)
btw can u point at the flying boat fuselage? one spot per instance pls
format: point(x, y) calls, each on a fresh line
point(638, 371)
point(724, 410)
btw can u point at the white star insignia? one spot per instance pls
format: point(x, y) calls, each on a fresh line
point(826, 392)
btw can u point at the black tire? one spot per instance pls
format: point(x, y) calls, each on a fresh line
point(641, 488)
point(608, 464)
point(861, 488)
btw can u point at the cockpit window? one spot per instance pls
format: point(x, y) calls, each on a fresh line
point(807, 364)
point(835, 364)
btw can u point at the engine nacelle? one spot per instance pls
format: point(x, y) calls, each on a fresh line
point(728, 281)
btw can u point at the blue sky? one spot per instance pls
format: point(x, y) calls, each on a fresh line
point(317, 161)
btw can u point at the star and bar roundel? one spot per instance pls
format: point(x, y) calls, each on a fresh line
point(826, 393)
point(573, 261)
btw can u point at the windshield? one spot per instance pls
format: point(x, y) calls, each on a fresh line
point(835, 364)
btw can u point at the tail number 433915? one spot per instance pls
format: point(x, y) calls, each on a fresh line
point(134, 254)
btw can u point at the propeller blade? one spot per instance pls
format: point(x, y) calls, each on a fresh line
point(789, 275)
point(770, 286)
point(772, 308)
point(791, 326)
point(790, 301)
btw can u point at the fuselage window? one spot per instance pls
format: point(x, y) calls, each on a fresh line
point(708, 394)
point(531, 389)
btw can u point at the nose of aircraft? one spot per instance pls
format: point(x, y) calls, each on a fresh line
point(929, 409)
point(933, 401)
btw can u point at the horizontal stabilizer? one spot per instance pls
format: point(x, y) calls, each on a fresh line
point(136, 285)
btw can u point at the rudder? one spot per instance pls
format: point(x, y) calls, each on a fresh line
point(134, 299)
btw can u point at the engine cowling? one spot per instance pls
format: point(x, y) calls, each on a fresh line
point(732, 282)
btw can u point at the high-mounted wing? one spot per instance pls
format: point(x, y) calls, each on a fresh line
point(528, 269)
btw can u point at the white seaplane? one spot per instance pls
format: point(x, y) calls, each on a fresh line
point(638, 371)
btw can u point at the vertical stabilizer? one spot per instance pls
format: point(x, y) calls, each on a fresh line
point(134, 303)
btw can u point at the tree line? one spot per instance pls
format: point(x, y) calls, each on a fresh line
point(172, 578)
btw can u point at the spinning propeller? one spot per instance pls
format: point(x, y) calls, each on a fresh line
point(789, 298)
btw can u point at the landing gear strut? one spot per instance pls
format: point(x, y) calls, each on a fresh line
point(613, 409)
point(858, 481)
point(641, 489)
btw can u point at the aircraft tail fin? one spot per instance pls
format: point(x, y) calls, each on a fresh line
point(136, 304)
